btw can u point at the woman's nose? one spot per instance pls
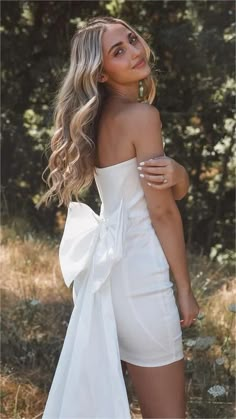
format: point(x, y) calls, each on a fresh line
point(134, 51)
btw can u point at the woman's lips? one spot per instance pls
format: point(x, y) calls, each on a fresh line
point(140, 63)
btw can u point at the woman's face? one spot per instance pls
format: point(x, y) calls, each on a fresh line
point(124, 57)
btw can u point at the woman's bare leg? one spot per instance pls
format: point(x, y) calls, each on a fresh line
point(124, 367)
point(160, 390)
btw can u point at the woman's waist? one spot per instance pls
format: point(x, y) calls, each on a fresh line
point(139, 220)
point(140, 234)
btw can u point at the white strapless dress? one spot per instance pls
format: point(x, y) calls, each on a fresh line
point(124, 305)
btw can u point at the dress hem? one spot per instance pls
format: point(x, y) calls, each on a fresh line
point(177, 357)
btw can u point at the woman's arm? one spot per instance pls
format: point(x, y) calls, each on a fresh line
point(164, 168)
point(169, 229)
point(180, 189)
point(163, 210)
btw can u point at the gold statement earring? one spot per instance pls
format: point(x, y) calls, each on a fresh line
point(140, 91)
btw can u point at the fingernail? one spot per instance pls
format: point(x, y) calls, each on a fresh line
point(141, 163)
point(141, 174)
point(149, 184)
point(139, 168)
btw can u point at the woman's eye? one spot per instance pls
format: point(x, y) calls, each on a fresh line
point(118, 51)
point(133, 39)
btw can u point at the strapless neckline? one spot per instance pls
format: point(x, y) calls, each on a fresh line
point(116, 165)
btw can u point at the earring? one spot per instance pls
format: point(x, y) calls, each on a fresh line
point(101, 78)
point(140, 91)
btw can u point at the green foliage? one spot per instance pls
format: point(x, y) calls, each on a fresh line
point(194, 44)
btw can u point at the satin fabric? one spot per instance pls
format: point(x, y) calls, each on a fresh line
point(88, 382)
point(123, 304)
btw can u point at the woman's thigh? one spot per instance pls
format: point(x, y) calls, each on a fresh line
point(124, 367)
point(148, 328)
point(160, 390)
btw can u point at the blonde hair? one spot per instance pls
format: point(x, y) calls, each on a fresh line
point(78, 104)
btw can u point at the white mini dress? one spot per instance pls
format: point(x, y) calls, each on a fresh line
point(124, 304)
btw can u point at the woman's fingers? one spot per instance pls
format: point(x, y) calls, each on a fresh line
point(161, 186)
point(154, 178)
point(158, 161)
point(153, 170)
point(190, 318)
point(160, 173)
point(163, 180)
point(187, 322)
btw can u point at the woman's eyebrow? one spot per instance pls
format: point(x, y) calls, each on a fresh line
point(118, 43)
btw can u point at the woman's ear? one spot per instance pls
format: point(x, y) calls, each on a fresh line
point(102, 78)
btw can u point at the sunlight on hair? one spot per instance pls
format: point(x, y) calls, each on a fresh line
point(77, 107)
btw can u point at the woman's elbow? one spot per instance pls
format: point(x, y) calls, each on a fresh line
point(161, 213)
point(180, 192)
point(178, 195)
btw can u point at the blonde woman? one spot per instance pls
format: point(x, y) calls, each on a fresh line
point(118, 261)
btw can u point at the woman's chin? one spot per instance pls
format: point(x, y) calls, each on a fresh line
point(144, 72)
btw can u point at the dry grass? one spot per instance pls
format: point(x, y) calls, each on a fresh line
point(36, 307)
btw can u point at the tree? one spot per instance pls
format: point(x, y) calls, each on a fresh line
point(194, 45)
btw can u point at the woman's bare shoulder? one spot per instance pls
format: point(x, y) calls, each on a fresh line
point(140, 115)
point(145, 131)
point(141, 107)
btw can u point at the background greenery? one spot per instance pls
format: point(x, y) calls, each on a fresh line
point(194, 44)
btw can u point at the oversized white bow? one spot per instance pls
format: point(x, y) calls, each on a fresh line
point(88, 382)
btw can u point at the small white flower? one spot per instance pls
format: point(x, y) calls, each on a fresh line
point(216, 391)
point(232, 307)
point(190, 342)
point(205, 342)
point(34, 302)
point(220, 361)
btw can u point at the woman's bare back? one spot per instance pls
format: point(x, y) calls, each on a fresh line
point(114, 136)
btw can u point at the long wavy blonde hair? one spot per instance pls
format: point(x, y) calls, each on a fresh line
point(78, 104)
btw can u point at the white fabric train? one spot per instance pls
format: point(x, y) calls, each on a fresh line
point(88, 382)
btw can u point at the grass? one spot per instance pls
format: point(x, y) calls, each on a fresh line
point(36, 308)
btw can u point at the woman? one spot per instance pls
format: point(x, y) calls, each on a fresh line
point(119, 261)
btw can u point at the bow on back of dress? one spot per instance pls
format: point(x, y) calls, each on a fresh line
point(88, 382)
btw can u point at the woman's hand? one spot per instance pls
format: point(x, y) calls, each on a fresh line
point(164, 172)
point(188, 306)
